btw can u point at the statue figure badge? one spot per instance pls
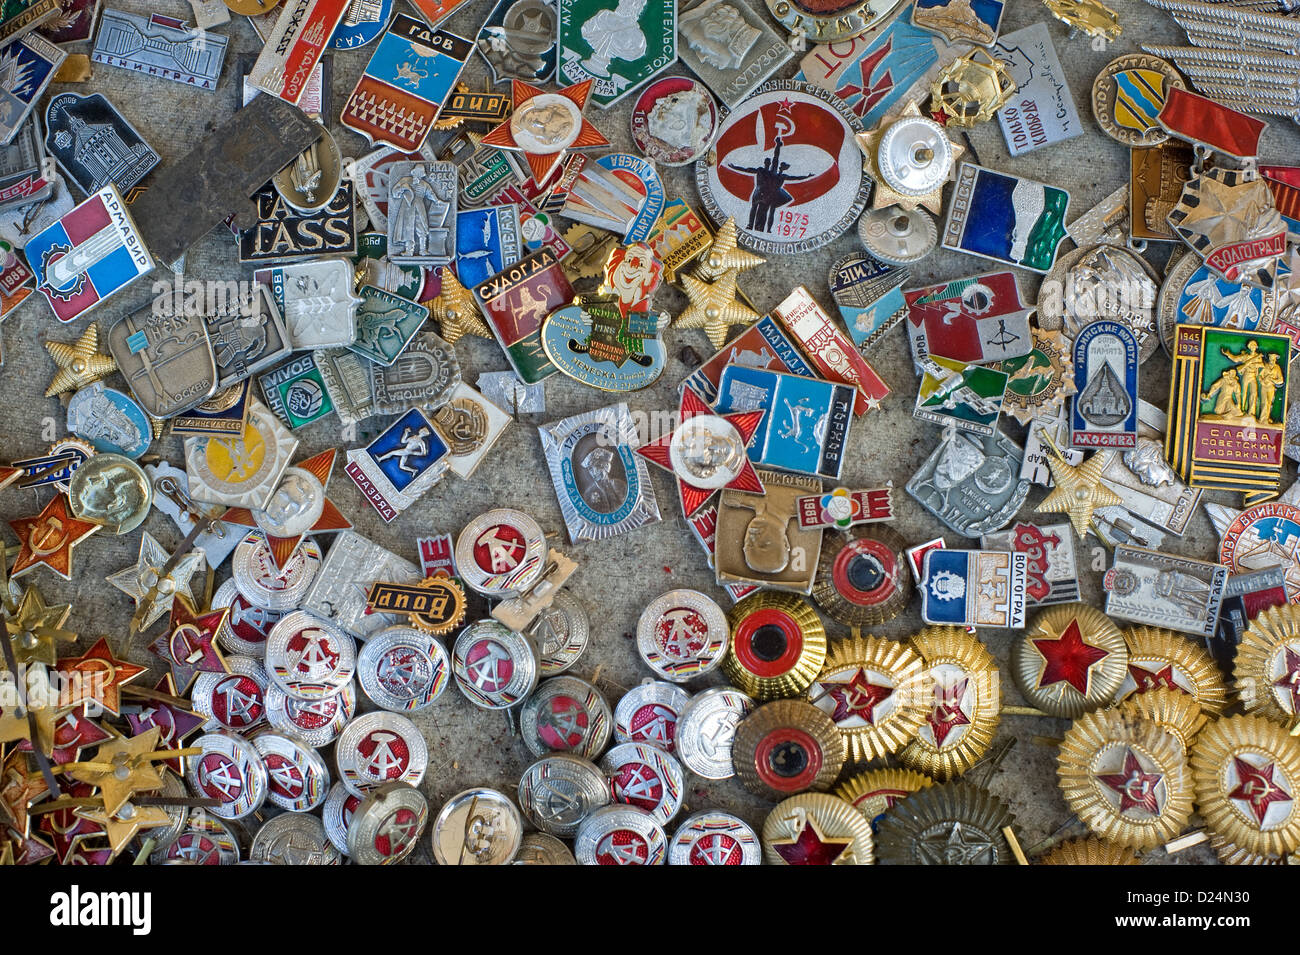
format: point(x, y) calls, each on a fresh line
point(422, 213)
point(610, 339)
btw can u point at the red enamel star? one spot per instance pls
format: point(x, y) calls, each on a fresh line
point(320, 466)
point(1289, 681)
point(20, 789)
point(1153, 679)
point(857, 698)
point(72, 733)
point(530, 123)
point(96, 675)
point(48, 538)
point(1136, 789)
point(947, 713)
point(189, 644)
point(1257, 788)
point(660, 452)
point(65, 828)
point(30, 851)
point(1068, 659)
point(174, 723)
point(811, 847)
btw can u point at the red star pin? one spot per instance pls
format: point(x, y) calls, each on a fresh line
point(1256, 788)
point(1289, 681)
point(947, 713)
point(1137, 790)
point(174, 723)
point(96, 675)
point(811, 847)
point(72, 733)
point(65, 828)
point(189, 646)
point(1153, 679)
point(1068, 659)
point(48, 538)
point(703, 441)
point(30, 851)
point(857, 698)
point(319, 466)
point(543, 129)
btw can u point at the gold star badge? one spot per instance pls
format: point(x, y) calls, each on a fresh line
point(96, 675)
point(14, 724)
point(1078, 490)
point(925, 145)
point(456, 311)
point(725, 253)
point(122, 766)
point(35, 628)
point(122, 826)
point(80, 364)
point(714, 307)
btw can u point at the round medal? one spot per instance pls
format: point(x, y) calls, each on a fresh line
point(566, 715)
point(387, 825)
point(494, 666)
point(648, 713)
point(308, 658)
point(646, 778)
point(230, 770)
point(559, 791)
point(682, 634)
point(477, 827)
point(714, 838)
point(378, 748)
point(620, 835)
point(298, 778)
point(674, 120)
point(501, 552)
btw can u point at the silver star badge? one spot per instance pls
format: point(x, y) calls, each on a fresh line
point(139, 580)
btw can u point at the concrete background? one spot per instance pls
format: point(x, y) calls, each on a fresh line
point(470, 747)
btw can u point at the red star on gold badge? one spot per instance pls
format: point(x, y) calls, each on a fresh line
point(48, 538)
point(539, 123)
point(858, 697)
point(811, 847)
point(1068, 659)
point(947, 714)
point(1137, 789)
point(96, 675)
point(1256, 788)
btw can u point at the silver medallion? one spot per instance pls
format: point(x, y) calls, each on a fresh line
point(559, 791)
point(317, 302)
point(645, 777)
point(235, 700)
point(247, 335)
point(246, 626)
point(971, 483)
point(424, 374)
point(402, 669)
point(422, 213)
point(294, 508)
point(386, 827)
point(898, 236)
point(620, 835)
point(229, 770)
point(494, 667)
point(561, 632)
point(603, 486)
point(707, 729)
point(308, 658)
point(278, 588)
point(566, 715)
point(293, 838)
point(316, 722)
point(682, 634)
point(649, 712)
point(340, 806)
point(477, 827)
point(297, 777)
point(714, 837)
point(378, 748)
point(501, 552)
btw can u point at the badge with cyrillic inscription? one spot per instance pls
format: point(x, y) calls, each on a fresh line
point(844, 508)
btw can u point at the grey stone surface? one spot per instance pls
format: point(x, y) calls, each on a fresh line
point(617, 577)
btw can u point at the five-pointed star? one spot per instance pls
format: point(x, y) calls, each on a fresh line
point(96, 675)
point(1289, 681)
point(320, 466)
point(20, 789)
point(14, 722)
point(856, 698)
point(1078, 490)
point(659, 452)
point(121, 767)
point(142, 579)
point(542, 164)
point(1256, 788)
point(30, 851)
point(35, 628)
point(810, 846)
point(456, 310)
point(65, 829)
point(49, 537)
point(885, 196)
point(947, 714)
point(1068, 658)
point(73, 732)
point(80, 364)
point(175, 722)
point(724, 253)
point(121, 826)
point(1136, 789)
point(189, 644)
point(714, 306)
point(955, 848)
